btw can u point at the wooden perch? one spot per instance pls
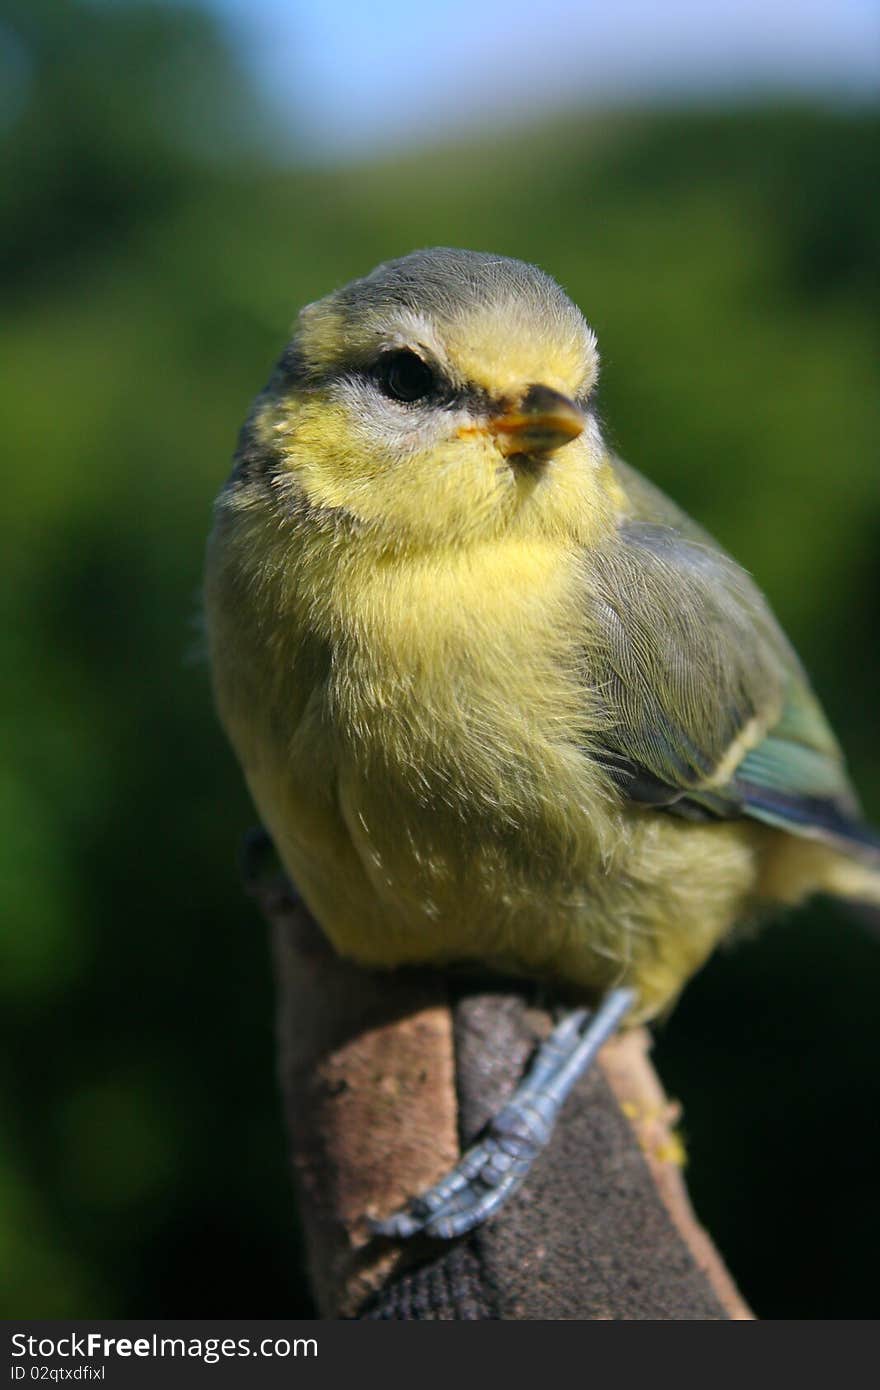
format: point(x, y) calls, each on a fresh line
point(385, 1075)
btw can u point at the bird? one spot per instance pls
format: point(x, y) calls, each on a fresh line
point(497, 699)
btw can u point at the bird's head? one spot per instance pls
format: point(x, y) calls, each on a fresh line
point(444, 397)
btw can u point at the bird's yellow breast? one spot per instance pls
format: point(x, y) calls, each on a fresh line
point(421, 759)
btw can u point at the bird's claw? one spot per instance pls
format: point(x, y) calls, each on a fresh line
point(492, 1170)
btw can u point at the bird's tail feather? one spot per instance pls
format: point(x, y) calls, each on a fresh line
point(856, 879)
point(844, 865)
point(854, 876)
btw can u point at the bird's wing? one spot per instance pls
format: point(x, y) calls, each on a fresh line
point(705, 708)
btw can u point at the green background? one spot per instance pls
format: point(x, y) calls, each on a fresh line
point(154, 255)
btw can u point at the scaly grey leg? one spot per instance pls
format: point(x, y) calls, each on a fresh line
point(495, 1167)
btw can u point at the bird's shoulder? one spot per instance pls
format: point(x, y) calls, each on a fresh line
point(709, 708)
point(644, 502)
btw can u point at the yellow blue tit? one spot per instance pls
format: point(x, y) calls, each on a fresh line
point(497, 698)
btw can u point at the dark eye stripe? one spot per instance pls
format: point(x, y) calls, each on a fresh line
point(441, 392)
point(294, 373)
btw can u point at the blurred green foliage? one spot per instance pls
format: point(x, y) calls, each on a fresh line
point(153, 258)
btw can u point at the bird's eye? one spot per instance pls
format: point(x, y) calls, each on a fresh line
point(404, 376)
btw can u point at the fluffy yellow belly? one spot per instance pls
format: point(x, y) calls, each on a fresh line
point(428, 788)
point(394, 878)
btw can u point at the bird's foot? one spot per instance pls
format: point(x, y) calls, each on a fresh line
point(492, 1170)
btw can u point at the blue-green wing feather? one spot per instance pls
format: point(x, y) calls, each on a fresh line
point(795, 780)
point(708, 710)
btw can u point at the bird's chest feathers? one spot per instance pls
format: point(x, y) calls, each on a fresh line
point(455, 687)
point(432, 763)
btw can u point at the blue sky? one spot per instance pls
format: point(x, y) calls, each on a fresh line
point(353, 77)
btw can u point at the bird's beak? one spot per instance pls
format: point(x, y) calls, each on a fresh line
point(542, 421)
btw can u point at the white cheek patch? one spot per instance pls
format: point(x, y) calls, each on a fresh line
point(389, 432)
